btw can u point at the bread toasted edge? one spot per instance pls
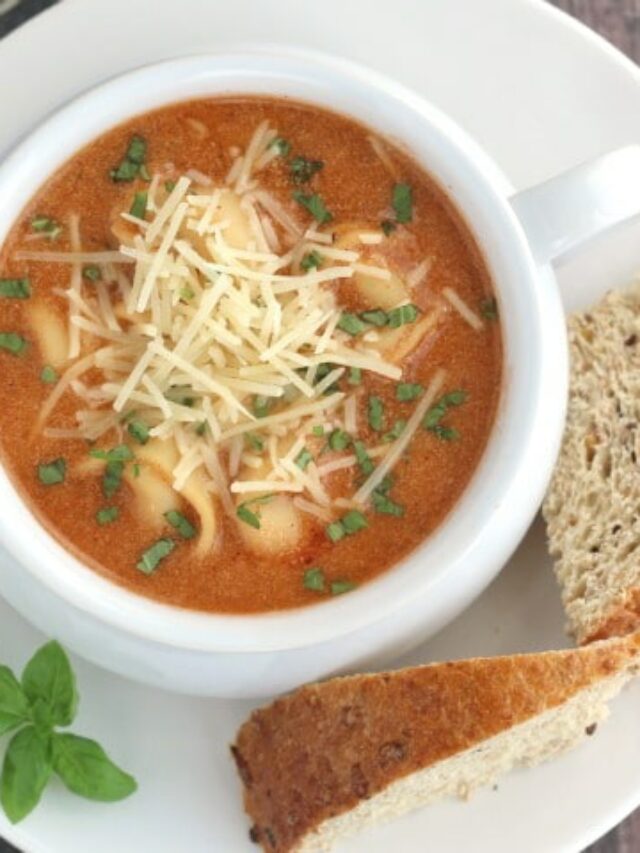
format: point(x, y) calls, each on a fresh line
point(527, 743)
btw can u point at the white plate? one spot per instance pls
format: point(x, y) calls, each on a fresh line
point(540, 93)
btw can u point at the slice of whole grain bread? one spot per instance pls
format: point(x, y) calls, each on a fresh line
point(592, 508)
point(333, 757)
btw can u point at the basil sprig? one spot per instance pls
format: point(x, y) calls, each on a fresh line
point(33, 708)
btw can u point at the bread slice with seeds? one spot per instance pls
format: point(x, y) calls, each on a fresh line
point(331, 758)
point(592, 508)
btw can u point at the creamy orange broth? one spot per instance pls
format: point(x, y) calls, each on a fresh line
point(356, 187)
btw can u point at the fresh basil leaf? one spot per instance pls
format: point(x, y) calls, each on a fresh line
point(25, 772)
point(48, 679)
point(14, 708)
point(87, 770)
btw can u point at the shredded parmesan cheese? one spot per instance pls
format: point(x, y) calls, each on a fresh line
point(463, 309)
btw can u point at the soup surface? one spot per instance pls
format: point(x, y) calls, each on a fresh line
point(249, 353)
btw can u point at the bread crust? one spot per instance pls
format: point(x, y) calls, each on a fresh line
point(320, 751)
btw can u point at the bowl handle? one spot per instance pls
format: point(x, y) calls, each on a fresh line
point(566, 211)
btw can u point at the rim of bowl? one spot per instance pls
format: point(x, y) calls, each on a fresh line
point(503, 519)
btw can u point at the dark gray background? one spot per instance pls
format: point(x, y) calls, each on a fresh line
point(617, 20)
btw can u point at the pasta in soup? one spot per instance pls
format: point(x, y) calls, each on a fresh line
point(250, 354)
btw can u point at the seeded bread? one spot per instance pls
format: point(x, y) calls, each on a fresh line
point(333, 757)
point(592, 508)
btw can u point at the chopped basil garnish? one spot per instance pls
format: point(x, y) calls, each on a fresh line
point(281, 145)
point(355, 376)
point(395, 431)
point(181, 394)
point(402, 315)
point(388, 227)
point(52, 473)
point(107, 515)
point(48, 375)
point(135, 468)
point(340, 587)
point(303, 458)
point(382, 503)
point(377, 317)
point(139, 205)
point(261, 405)
point(13, 342)
point(120, 453)
point(248, 516)
point(311, 260)
point(302, 169)
point(144, 172)
point(186, 293)
point(314, 579)
point(351, 323)
point(376, 413)
point(133, 161)
point(169, 186)
point(353, 521)
point(46, 225)
point(92, 272)
point(407, 391)
point(339, 439)
point(15, 288)
point(154, 555)
point(335, 531)
point(318, 430)
point(138, 430)
point(489, 309)
point(254, 441)
point(112, 478)
point(364, 460)
point(436, 413)
point(315, 205)
point(402, 202)
point(182, 525)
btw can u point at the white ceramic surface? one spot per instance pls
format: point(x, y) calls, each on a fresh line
point(540, 117)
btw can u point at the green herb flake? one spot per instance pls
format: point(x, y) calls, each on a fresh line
point(318, 430)
point(314, 205)
point(139, 205)
point(92, 272)
point(407, 391)
point(201, 428)
point(436, 413)
point(311, 260)
point(152, 557)
point(15, 288)
point(335, 531)
point(135, 468)
point(251, 518)
point(355, 376)
point(402, 315)
point(377, 317)
point(402, 203)
point(13, 342)
point(363, 458)
point(388, 227)
point(303, 459)
point(340, 587)
point(48, 375)
point(133, 162)
point(339, 439)
point(351, 324)
point(261, 405)
point(281, 145)
point(107, 515)
point(46, 225)
point(181, 523)
point(489, 308)
point(254, 441)
point(383, 504)
point(138, 430)
point(303, 169)
point(375, 410)
point(120, 453)
point(52, 473)
point(314, 579)
point(169, 186)
point(186, 293)
point(112, 478)
point(445, 433)
point(396, 431)
point(144, 173)
point(353, 521)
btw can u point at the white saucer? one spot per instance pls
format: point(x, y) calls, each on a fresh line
point(540, 93)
